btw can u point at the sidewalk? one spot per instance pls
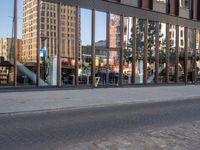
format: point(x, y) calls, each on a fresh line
point(68, 99)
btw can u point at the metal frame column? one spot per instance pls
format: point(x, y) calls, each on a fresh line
point(177, 54)
point(93, 80)
point(38, 42)
point(167, 52)
point(108, 46)
point(121, 52)
point(133, 80)
point(186, 54)
point(58, 44)
point(195, 56)
point(15, 41)
point(157, 53)
point(77, 46)
point(145, 51)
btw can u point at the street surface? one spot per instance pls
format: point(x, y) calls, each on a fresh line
point(55, 130)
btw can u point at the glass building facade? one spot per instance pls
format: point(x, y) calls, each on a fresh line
point(84, 43)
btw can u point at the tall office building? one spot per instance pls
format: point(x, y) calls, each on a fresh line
point(49, 27)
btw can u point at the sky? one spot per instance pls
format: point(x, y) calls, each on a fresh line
point(6, 18)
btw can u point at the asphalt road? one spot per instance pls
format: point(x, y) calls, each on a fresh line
point(56, 129)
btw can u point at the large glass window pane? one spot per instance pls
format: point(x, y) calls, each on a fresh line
point(181, 65)
point(172, 53)
point(68, 25)
point(162, 53)
point(190, 65)
point(27, 54)
point(139, 50)
point(7, 44)
point(49, 49)
point(114, 47)
point(85, 47)
point(198, 55)
point(151, 52)
point(128, 48)
point(100, 48)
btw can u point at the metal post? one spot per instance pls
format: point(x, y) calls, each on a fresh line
point(186, 54)
point(134, 52)
point(145, 51)
point(58, 45)
point(195, 56)
point(77, 47)
point(177, 54)
point(38, 43)
point(108, 46)
point(15, 42)
point(167, 52)
point(121, 52)
point(157, 53)
point(93, 49)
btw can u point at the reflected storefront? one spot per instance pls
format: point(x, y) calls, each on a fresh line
point(64, 44)
point(198, 55)
point(162, 53)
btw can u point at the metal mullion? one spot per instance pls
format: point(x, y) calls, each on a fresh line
point(93, 49)
point(58, 44)
point(157, 53)
point(77, 46)
point(186, 54)
point(121, 51)
point(134, 52)
point(145, 51)
point(194, 57)
point(167, 53)
point(107, 46)
point(177, 54)
point(15, 42)
point(38, 43)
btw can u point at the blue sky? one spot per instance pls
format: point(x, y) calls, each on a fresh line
point(6, 14)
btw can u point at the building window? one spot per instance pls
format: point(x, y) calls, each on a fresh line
point(185, 4)
point(163, 1)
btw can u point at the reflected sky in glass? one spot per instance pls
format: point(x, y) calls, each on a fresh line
point(6, 19)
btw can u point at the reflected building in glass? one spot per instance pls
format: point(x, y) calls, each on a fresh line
point(108, 43)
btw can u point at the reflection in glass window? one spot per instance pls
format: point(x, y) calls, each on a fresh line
point(48, 63)
point(27, 58)
point(172, 53)
point(139, 50)
point(185, 4)
point(151, 52)
point(181, 65)
point(162, 53)
point(100, 48)
point(114, 31)
point(198, 55)
point(190, 65)
point(68, 25)
point(128, 48)
point(85, 58)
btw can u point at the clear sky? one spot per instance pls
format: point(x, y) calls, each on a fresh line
point(6, 18)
